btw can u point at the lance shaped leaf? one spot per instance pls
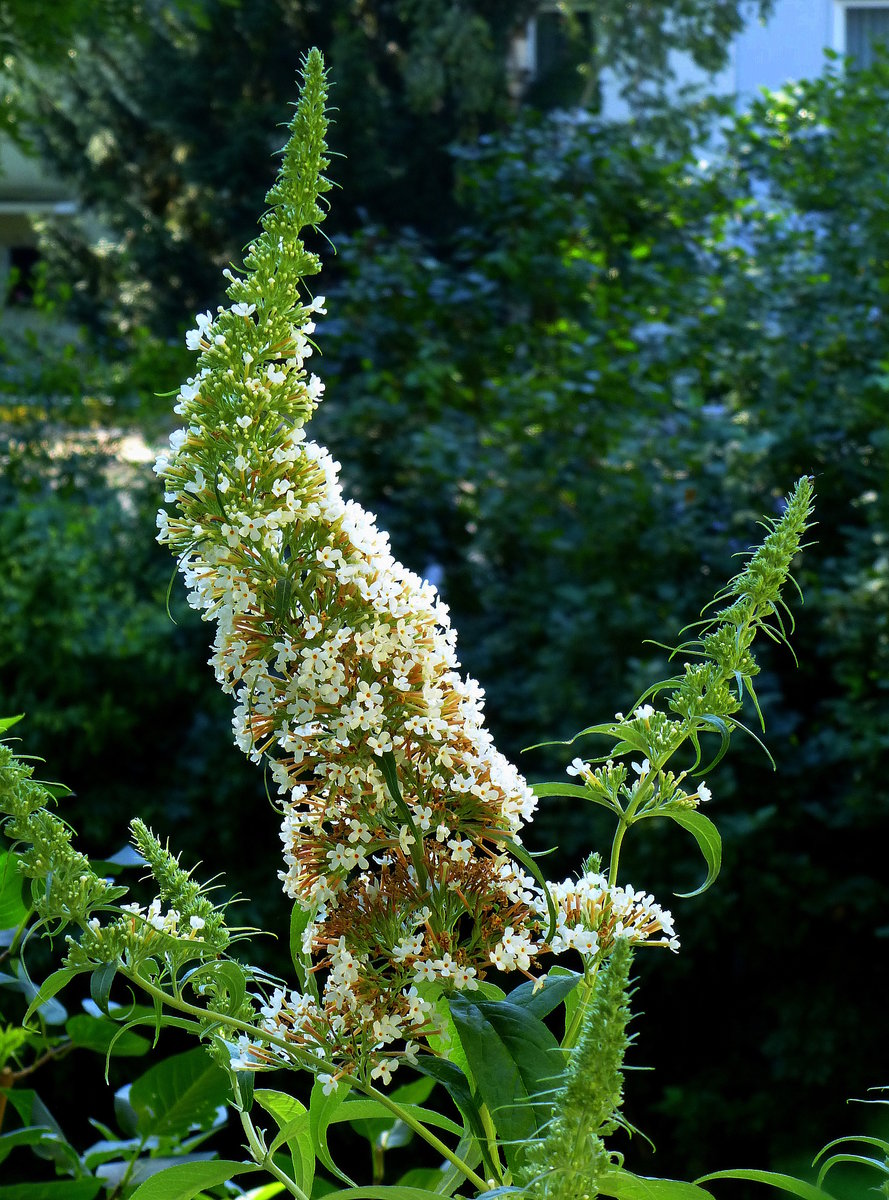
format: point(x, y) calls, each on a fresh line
point(516, 1062)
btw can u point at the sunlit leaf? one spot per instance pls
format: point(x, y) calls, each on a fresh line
point(516, 1062)
point(178, 1094)
point(784, 1183)
point(186, 1180)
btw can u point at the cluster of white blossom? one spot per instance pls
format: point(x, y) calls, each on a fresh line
point(592, 913)
point(399, 817)
point(154, 917)
point(339, 657)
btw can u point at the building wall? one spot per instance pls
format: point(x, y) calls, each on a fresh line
point(790, 45)
point(26, 191)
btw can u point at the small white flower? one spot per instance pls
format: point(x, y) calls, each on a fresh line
point(704, 793)
point(461, 849)
point(384, 1070)
point(424, 971)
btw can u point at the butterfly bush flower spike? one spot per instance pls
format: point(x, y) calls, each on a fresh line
point(397, 810)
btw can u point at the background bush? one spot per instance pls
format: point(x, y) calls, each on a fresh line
point(568, 401)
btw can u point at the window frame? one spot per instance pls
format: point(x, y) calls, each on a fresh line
point(840, 19)
point(528, 35)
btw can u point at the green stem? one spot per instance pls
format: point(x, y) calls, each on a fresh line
point(572, 1031)
point(262, 1158)
point(419, 1128)
point(622, 826)
point(378, 1165)
point(491, 1138)
point(309, 1062)
point(121, 1188)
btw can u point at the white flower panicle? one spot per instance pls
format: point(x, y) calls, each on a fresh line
point(341, 662)
point(592, 914)
point(397, 812)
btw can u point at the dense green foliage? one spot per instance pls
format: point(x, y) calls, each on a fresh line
point(570, 396)
point(175, 174)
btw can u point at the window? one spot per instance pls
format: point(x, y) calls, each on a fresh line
point(552, 58)
point(859, 26)
point(21, 262)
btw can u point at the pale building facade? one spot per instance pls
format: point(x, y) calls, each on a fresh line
point(789, 45)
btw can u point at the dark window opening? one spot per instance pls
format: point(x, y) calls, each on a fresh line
point(563, 61)
point(866, 29)
point(22, 276)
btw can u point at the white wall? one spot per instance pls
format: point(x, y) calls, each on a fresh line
point(790, 45)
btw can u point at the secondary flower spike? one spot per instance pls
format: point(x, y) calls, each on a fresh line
point(399, 817)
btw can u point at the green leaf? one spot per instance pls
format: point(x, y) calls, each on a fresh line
point(100, 984)
point(609, 727)
point(571, 789)
point(390, 774)
point(226, 976)
point(784, 1183)
point(445, 1043)
point(395, 1191)
point(8, 722)
point(422, 1177)
point(13, 909)
point(516, 1062)
point(67, 1189)
point(458, 1087)
point(186, 1180)
point(127, 1117)
point(299, 919)
point(127, 856)
point(58, 791)
point(22, 1137)
point(705, 834)
point(370, 1111)
point(48, 989)
point(488, 991)
point(266, 1191)
point(529, 864)
point(179, 1094)
point(721, 727)
point(540, 1001)
point(321, 1110)
point(623, 1185)
point(878, 1164)
point(101, 1035)
point(30, 1108)
point(855, 1138)
point(293, 1129)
